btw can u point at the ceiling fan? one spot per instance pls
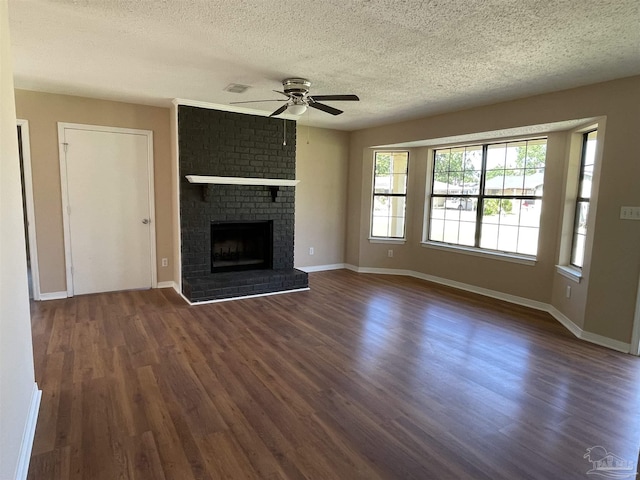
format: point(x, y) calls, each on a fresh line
point(298, 99)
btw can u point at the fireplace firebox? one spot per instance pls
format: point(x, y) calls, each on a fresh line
point(241, 246)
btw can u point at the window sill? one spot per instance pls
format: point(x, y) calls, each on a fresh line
point(397, 241)
point(476, 252)
point(572, 273)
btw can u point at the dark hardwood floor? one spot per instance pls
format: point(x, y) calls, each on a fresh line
point(364, 377)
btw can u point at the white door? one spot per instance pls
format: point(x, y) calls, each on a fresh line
point(108, 233)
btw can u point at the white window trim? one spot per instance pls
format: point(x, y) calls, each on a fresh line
point(481, 252)
point(397, 241)
point(570, 272)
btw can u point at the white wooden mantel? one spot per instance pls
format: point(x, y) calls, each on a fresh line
point(273, 183)
point(268, 182)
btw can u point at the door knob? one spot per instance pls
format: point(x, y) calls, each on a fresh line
point(146, 221)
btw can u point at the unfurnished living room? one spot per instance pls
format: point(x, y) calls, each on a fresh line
point(319, 240)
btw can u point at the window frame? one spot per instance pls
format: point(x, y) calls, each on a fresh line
point(392, 239)
point(580, 199)
point(480, 197)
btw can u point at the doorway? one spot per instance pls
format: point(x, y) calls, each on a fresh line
point(24, 151)
point(108, 214)
point(635, 337)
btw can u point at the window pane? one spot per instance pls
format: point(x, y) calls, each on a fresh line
point(528, 241)
point(587, 165)
point(494, 183)
point(514, 171)
point(533, 182)
point(379, 226)
point(585, 182)
point(399, 164)
point(577, 255)
point(590, 148)
point(456, 164)
point(514, 182)
point(489, 236)
point(531, 155)
point(507, 238)
point(472, 167)
point(496, 159)
point(436, 224)
point(382, 184)
point(510, 225)
point(454, 187)
point(589, 144)
point(457, 170)
point(509, 212)
point(530, 213)
point(467, 235)
point(441, 161)
point(491, 211)
point(451, 231)
point(381, 213)
point(388, 216)
point(452, 210)
point(390, 173)
point(582, 214)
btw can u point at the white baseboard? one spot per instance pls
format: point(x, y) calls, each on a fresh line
point(244, 296)
point(565, 321)
point(526, 302)
point(588, 336)
point(452, 283)
point(606, 342)
point(322, 268)
point(167, 284)
point(28, 434)
point(53, 295)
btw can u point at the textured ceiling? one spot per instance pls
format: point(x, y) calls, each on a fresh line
point(404, 58)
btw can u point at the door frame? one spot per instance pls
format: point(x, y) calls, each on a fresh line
point(635, 337)
point(65, 193)
point(28, 200)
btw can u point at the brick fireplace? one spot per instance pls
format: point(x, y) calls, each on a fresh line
point(220, 260)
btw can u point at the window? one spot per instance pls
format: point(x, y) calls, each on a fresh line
point(389, 194)
point(488, 196)
point(587, 161)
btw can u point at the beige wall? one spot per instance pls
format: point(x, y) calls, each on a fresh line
point(604, 301)
point(17, 380)
point(321, 196)
point(43, 111)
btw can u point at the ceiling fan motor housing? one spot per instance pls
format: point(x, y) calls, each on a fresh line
point(296, 87)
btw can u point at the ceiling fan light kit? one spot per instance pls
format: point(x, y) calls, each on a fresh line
point(298, 99)
point(298, 109)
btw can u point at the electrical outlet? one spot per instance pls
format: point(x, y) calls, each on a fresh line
point(568, 293)
point(630, 213)
point(311, 251)
point(165, 262)
point(390, 253)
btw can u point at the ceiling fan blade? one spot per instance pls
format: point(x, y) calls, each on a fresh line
point(256, 101)
point(343, 98)
point(325, 108)
point(280, 110)
point(285, 94)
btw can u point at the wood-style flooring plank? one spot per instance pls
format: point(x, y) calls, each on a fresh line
point(362, 377)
